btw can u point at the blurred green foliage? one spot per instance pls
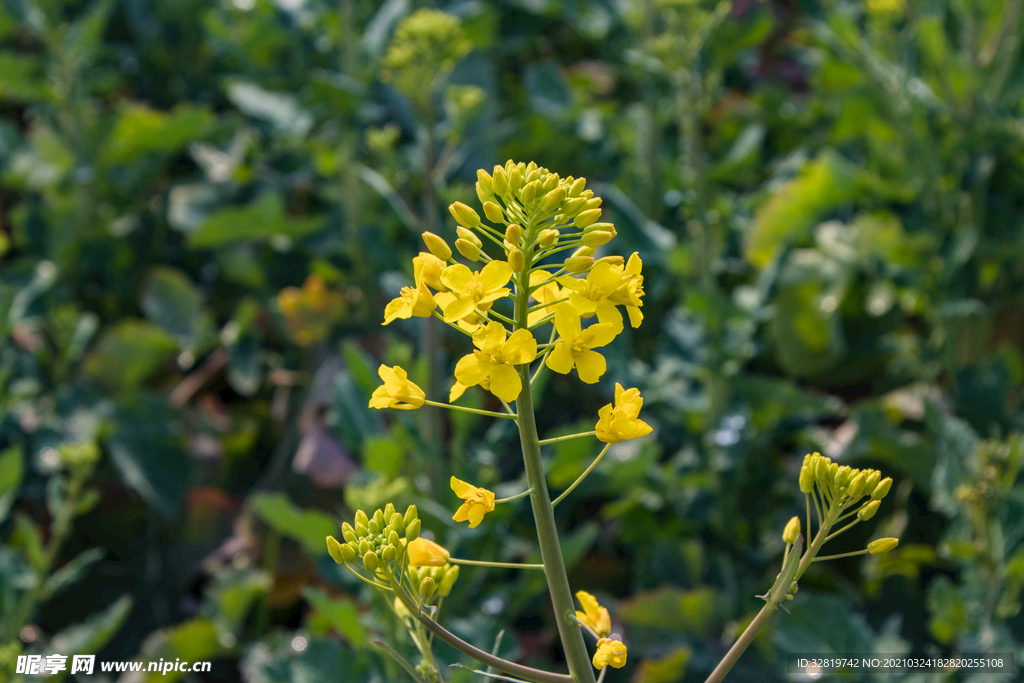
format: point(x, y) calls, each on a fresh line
point(204, 207)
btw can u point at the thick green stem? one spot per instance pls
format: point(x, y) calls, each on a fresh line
point(740, 646)
point(547, 534)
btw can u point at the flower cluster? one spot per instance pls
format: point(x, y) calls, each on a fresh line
point(840, 486)
point(378, 543)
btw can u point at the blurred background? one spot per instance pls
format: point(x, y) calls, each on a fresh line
point(206, 205)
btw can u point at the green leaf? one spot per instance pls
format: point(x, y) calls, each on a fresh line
point(281, 110)
point(12, 469)
point(260, 220)
point(194, 641)
point(141, 130)
point(342, 615)
point(666, 669)
point(669, 609)
point(128, 354)
point(819, 623)
point(71, 572)
point(21, 78)
point(360, 366)
point(27, 537)
point(947, 613)
point(384, 454)
point(309, 527)
point(233, 594)
point(93, 634)
point(172, 301)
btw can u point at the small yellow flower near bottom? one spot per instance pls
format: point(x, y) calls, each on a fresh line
point(610, 653)
point(478, 502)
point(593, 615)
point(424, 553)
point(397, 392)
point(619, 422)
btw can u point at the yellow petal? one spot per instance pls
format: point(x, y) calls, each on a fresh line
point(457, 277)
point(560, 359)
point(462, 514)
point(607, 313)
point(567, 322)
point(495, 275)
point(583, 305)
point(520, 348)
point(590, 365)
point(599, 335)
point(397, 308)
point(425, 553)
point(493, 335)
point(605, 277)
point(462, 489)
point(458, 389)
point(505, 382)
point(458, 308)
point(634, 265)
point(472, 369)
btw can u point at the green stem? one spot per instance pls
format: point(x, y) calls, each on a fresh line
point(479, 655)
point(836, 557)
point(556, 439)
point(524, 494)
point(544, 516)
point(740, 646)
point(489, 413)
point(501, 565)
point(582, 476)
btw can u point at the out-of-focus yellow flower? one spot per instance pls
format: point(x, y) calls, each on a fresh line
point(416, 302)
point(543, 295)
point(631, 290)
point(309, 312)
point(593, 615)
point(478, 502)
point(427, 270)
point(397, 391)
point(424, 553)
point(495, 360)
point(471, 290)
point(575, 345)
point(610, 653)
point(619, 422)
point(590, 296)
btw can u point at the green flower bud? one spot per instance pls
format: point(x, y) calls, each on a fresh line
point(806, 479)
point(374, 527)
point(578, 264)
point(587, 217)
point(833, 472)
point(437, 246)
point(843, 476)
point(468, 249)
point(791, 531)
point(549, 183)
point(485, 181)
point(361, 530)
point(577, 187)
point(348, 552)
point(858, 486)
point(390, 552)
point(469, 236)
point(868, 511)
point(514, 234)
point(464, 215)
point(592, 202)
point(516, 260)
point(427, 587)
point(364, 546)
point(552, 199)
point(378, 517)
point(874, 476)
point(882, 545)
point(821, 469)
point(515, 180)
point(529, 194)
point(597, 239)
point(547, 237)
point(370, 561)
point(572, 207)
point(494, 212)
point(412, 531)
point(389, 510)
point(393, 537)
point(451, 575)
point(361, 518)
point(882, 490)
point(500, 181)
point(410, 515)
point(334, 549)
point(397, 523)
point(481, 195)
point(348, 533)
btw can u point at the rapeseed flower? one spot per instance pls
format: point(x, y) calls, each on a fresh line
point(495, 360)
point(591, 296)
point(631, 290)
point(610, 653)
point(593, 615)
point(471, 290)
point(412, 302)
point(478, 502)
point(424, 553)
point(619, 422)
point(397, 391)
point(427, 270)
point(575, 345)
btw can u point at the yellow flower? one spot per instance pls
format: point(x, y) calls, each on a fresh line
point(591, 296)
point(474, 290)
point(631, 290)
point(397, 391)
point(412, 302)
point(610, 653)
point(619, 422)
point(593, 615)
point(458, 389)
point(309, 312)
point(424, 553)
point(478, 502)
point(574, 346)
point(495, 360)
point(427, 270)
point(543, 295)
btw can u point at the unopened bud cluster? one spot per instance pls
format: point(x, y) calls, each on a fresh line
point(434, 581)
point(376, 542)
point(840, 486)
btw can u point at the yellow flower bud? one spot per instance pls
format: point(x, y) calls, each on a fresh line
point(486, 184)
point(882, 490)
point(481, 195)
point(552, 199)
point(882, 545)
point(587, 217)
point(833, 472)
point(614, 260)
point(868, 511)
point(550, 182)
point(374, 527)
point(410, 515)
point(389, 553)
point(547, 237)
point(469, 236)
point(515, 180)
point(791, 531)
point(364, 546)
point(437, 246)
point(573, 207)
point(577, 187)
point(821, 469)
point(857, 486)
point(578, 264)
point(378, 517)
point(806, 479)
point(596, 239)
point(361, 518)
point(500, 181)
point(874, 476)
point(348, 552)
point(361, 530)
point(843, 475)
point(493, 212)
point(370, 561)
point(530, 193)
point(334, 549)
point(468, 249)
point(516, 260)
point(412, 531)
point(514, 234)
point(592, 201)
point(451, 575)
point(397, 522)
point(427, 587)
point(389, 510)
point(464, 215)
point(348, 533)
